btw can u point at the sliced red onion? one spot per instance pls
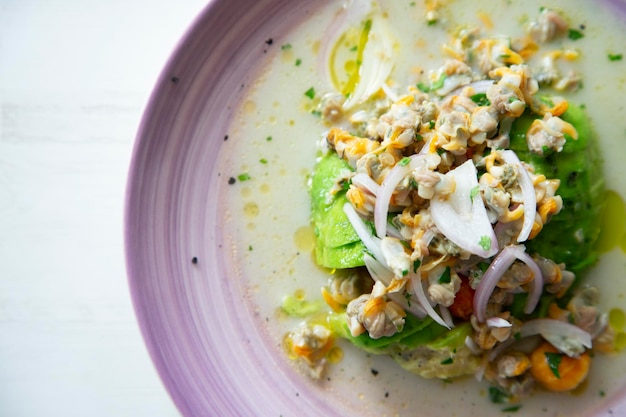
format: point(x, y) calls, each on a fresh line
point(497, 322)
point(418, 289)
point(529, 198)
point(366, 182)
point(372, 243)
point(566, 337)
point(391, 181)
point(537, 287)
point(490, 279)
point(461, 217)
point(393, 231)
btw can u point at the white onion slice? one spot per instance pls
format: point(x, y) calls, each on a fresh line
point(372, 243)
point(389, 92)
point(472, 346)
point(498, 322)
point(462, 218)
point(377, 63)
point(418, 289)
point(566, 337)
point(446, 316)
point(366, 182)
point(382, 274)
point(377, 270)
point(391, 181)
point(529, 197)
point(351, 15)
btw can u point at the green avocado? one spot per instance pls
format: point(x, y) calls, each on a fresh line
point(571, 235)
point(416, 332)
point(338, 245)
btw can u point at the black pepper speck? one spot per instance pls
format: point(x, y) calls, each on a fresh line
point(269, 41)
point(174, 79)
point(194, 260)
point(225, 138)
point(231, 180)
point(374, 371)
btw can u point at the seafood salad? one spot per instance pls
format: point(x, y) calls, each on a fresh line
point(455, 217)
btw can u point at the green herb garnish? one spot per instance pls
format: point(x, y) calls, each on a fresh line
point(473, 193)
point(554, 360)
point(485, 242)
point(574, 34)
point(445, 278)
point(481, 99)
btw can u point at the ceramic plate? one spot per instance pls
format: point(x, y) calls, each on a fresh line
point(208, 339)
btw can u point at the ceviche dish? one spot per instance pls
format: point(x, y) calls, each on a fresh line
point(456, 194)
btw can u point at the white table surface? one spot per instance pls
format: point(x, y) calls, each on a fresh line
point(75, 76)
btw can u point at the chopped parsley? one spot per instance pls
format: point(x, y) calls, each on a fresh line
point(575, 34)
point(497, 396)
point(298, 62)
point(310, 93)
point(285, 47)
point(416, 264)
point(445, 278)
point(434, 86)
point(448, 361)
point(269, 138)
point(404, 161)
point(481, 99)
point(485, 242)
point(243, 177)
point(512, 408)
point(473, 193)
point(554, 360)
point(615, 57)
point(263, 161)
